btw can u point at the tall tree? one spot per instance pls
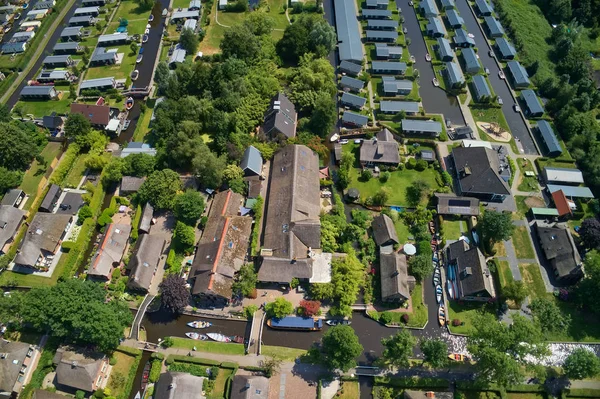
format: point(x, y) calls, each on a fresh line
point(515, 291)
point(18, 146)
point(174, 295)
point(139, 165)
point(189, 40)
point(496, 226)
point(582, 363)
point(9, 179)
point(324, 115)
point(549, 316)
point(435, 352)
point(245, 280)
point(308, 34)
point(239, 42)
point(77, 128)
point(590, 233)
point(184, 238)
point(279, 308)
point(586, 291)
point(421, 266)
point(189, 206)
point(398, 348)
point(340, 348)
point(160, 189)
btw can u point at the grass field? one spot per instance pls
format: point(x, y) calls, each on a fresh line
point(504, 273)
point(522, 243)
point(527, 183)
point(452, 229)
point(120, 373)
point(349, 390)
point(143, 125)
point(46, 107)
point(418, 317)
point(76, 172)
point(465, 313)
point(402, 231)
point(121, 71)
point(34, 174)
point(209, 346)
point(281, 352)
point(532, 278)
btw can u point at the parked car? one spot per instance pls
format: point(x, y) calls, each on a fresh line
point(501, 74)
point(517, 108)
point(500, 101)
point(491, 53)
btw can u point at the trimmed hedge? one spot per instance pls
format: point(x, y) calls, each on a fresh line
point(412, 382)
point(583, 393)
point(254, 368)
point(129, 350)
point(229, 365)
point(136, 222)
point(193, 360)
point(157, 355)
point(65, 165)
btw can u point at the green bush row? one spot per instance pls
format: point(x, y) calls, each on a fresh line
point(65, 165)
point(583, 393)
point(193, 360)
point(412, 382)
point(136, 222)
point(155, 370)
point(129, 350)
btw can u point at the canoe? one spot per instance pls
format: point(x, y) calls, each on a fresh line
point(129, 103)
point(237, 339)
point(218, 337)
point(442, 315)
point(138, 395)
point(438, 293)
point(450, 288)
point(457, 357)
point(199, 324)
point(195, 335)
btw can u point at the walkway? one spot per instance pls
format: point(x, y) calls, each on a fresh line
point(254, 343)
point(139, 316)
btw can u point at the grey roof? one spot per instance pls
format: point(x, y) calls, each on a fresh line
point(394, 276)
point(252, 161)
point(81, 20)
point(10, 220)
point(11, 196)
point(384, 50)
point(100, 54)
point(131, 184)
point(427, 155)
point(484, 7)
point(454, 18)
point(388, 66)
point(518, 72)
point(393, 85)
point(74, 46)
point(281, 117)
point(350, 67)
point(478, 170)
point(454, 74)
point(38, 91)
point(429, 7)
point(384, 232)
point(383, 149)
point(178, 55)
point(53, 121)
point(449, 204)
point(563, 175)
point(99, 82)
point(249, 387)
point(43, 236)
point(397, 106)
point(51, 196)
point(481, 88)
point(448, 4)
point(435, 26)
point(195, 4)
point(145, 260)
point(355, 119)
point(353, 100)
point(549, 137)
point(532, 102)
point(112, 37)
point(43, 394)
point(558, 247)
point(173, 385)
point(146, 220)
point(346, 23)
point(444, 49)
point(111, 250)
point(572, 191)
point(471, 276)
point(461, 37)
point(506, 49)
point(417, 125)
point(185, 13)
point(23, 36)
point(375, 13)
point(494, 27)
point(18, 47)
point(77, 369)
point(372, 34)
point(87, 10)
point(471, 61)
point(55, 59)
point(382, 24)
point(352, 83)
point(71, 31)
point(375, 3)
point(11, 364)
point(190, 24)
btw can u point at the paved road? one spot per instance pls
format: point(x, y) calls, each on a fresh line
point(514, 119)
point(16, 23)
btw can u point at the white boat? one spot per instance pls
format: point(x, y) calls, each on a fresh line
point(436, 82)
point(438, 293)
point(413, 59)
point(195, 335)
point(138, 395)
point(450, 289)
point(151, 18)
point(134, 75)
point(147, 32)
point(148, 26)
point(218, 337)
point(405, 30)
point(334, 138)
point(332, 322)
point(199, 324)
point(139, 58)
point(144, 38)
point(427, 57)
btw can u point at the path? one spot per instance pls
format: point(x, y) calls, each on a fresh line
point(254, 343)
point(511, 258)
point(139, 316)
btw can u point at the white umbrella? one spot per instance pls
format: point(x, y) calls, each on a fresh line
point(410, 249)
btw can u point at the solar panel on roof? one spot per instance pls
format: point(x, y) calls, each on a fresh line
point(459, 202)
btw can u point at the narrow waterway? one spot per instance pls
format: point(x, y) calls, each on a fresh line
point(137, 382)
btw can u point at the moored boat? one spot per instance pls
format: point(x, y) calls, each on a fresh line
point(436, 82)
point(144, 38)
point(332, 322)
point(151, 18)
point(427, 57)
point(458, 357)
point(199, 324)
point(145, 376)
point(129, 103)
point(195, 335)
point(334, 138)
point(296, 323)
point(218, 337)
point(138, 395)
point(442, 315)
point(450, 288)
point(438, 293)
point(237, 339)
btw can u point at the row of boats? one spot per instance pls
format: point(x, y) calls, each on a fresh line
point(201, 324)
point(437, 278)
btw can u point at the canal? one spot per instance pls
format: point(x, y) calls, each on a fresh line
point(515, 120)
point(435, 100)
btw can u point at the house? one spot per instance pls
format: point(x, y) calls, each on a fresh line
point(194, 5)
point(388, 67)
point(101, 56)
point(292, 228)
point(520, 77)
point(371, 13)
point(77, 369)
point(39, 93)
point(144, 261)
point(67, 48)
point(454, 19)
point(42, 240)
point(350, 68)
point(17, 365)
point(137, 147)
point(473, 278)
point(13, 197)
point(110, 251)
point(54, 75)
point(37, 14)
point(394, 107)
point(471, 62)
point(449, 204)
point(30, 25)
point(381, 36)
point(462, 39)
point(252, 162)
point(564, 207)
point(420, 127)
point(427, 395)
point(478, 173)
point(85, 20)
point(394, 87)
point(381, 4)
point(454, 76)
point(88, 3)
point(101, 84)
point(396, 284)
point(353, 101)
point(571, 191)
point(40, 5)
point(113, 39)
point(222, 249)
point(385, 51)
point(348, 35)
point(58, 61)
point(177, 57)
point(82, 11)
point(250, 387)
point(428, 9)
point(222, 4)
point(383, 149)
point(505, 49)
point(190, 24)
point(147, 219)
point(23, 36)
point(355, 85)
point(185, 14)
point(71, 33)
point(481, 90)
point(14, 47)
point(130, 184)
point(352, 119)
point(563, 175)
point(533, 107)
point(549, 138)
point(484, 8)
point(11, 219)
point(493, 27)
point(560, 251)
point(51, 199)
point(384, 231)
point(444, 50)
point(435, 27)
point(448, 5)
point(280, 118)
point(462, 132)
point(382, 24)
point(172, 385)
point(98, 115)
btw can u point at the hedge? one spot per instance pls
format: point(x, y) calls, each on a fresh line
point(229, 365)
point(157, 355)
point(136, 222)
point(526, 388)
point(155, 370)
point(412, 382)
point(129, 350)
point(254, 368)
point(583, 393)
point(65, 165)
point(193, 360)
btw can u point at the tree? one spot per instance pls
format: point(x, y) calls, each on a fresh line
point(174, 295)
point(5, 113)
point(381, 197)
point(134, 48)
point(209, 167)
point(239, 42)
point(161, 75)
point(139, 165)
point(586, 292)
point(313, 75)
point(189, 40)
point(233, 172)
point(113, 172)
point(582, 363)
point(324, 115)
point(416, 191)
point(19, 145)
point(145, 4)
point(245, 280)
point(549, 316)
point(558, 10)
point(421, 266)
point(271, 365)
point(77, 128)
point(398, 348)
point(259, 23)
point(95, 162)
point(189, 206)
point(279, 308)
point(184, 238)
point(340, 348)
point(310, 308)
point(496, 226)
point(347, 276)
point(435, 352)
point(515, 291)
point(160, 189)
point(590, 233)
point(308, 34)
point(9, 179)
point(84, 213)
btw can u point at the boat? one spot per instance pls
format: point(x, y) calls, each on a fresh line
point(428, 57)
point(334, 138)
point(134, 75)
point(475, 236)
point(218, 337)
point(139, 59)
point(148, 26)
point(144, 38)
point(457, 357)
point(237, 339)
point(404, 30)
point(138, 395)
point(442, 315)
point(450, 288)
point(332, 322)
point(455, 289)
point(195, 335)
point(413, 59)
point(151, 18)
point(199, 324)
point(147, 32)
point(296, 323)
point(436, 82)
point(437, 273)
point(145, 376)
point(129, 103)
point(438, 293)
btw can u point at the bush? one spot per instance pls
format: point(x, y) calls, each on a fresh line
point(386, 318)
point(67, 246)
point(155, 370)
point(405, 318)
point(411, 163)
point(456, 322)
point(63, 168)
point(385, 176)
point(421, 165)
point(84, 213)
point(113, 361)
point(157, 355)
point(366, 175)
point(167, 342)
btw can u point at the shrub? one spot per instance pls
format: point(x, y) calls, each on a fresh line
point(421, 165)
point(366, 175)
point(155, 370)
point(386, 318)
point(456, 322)
point(411, 163)
point(168, 342)
point(113, 361)
point(67, 246)
point(385, 176)
point(405, 318)
point(310, 308)
point(157, 355)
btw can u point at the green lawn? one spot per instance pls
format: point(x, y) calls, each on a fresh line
point(135, 26)
point(522, 243)
point(130, 10)
point(349, 390)
point(527, 183)
point(34, 174)
point(532, 278)
point(281, 352)
point(143, 125)
point(504, 273)
point(121, 371)
point(465, 313)
point(418, 317)
point(46, 107)
point(452, 229)
point(402, 231)
point(209, 346)
point(76, 172)
point(117, 71)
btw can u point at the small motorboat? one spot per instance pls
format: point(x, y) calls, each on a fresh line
point(332, 322)
point(428, 57)
point(144, 38)
point(138, 395)
point(501, 74)
point(334, 138)
point(475, 236)
point(237, 339)
point(457, 357)
point(195, 335)
point(145, 376)
point(151, 18)
point(438, 293)
point(199, 324)
point(129, 103)
point(450, 288)
point(218, 337)
point(147, 31)
point(413, 59)
point(139, 59)
point(437, 274)
point(436, 82)
point(134, 75)
point(148, 26)
point(404, 30)
point(442, 315)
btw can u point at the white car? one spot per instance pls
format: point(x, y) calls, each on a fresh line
point(517, 108)
point(357, 141)
point(501, 74)
point(500, 101)
point(344, 141)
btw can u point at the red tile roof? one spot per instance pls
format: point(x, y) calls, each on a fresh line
point(96, 114)
point(561, 203)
